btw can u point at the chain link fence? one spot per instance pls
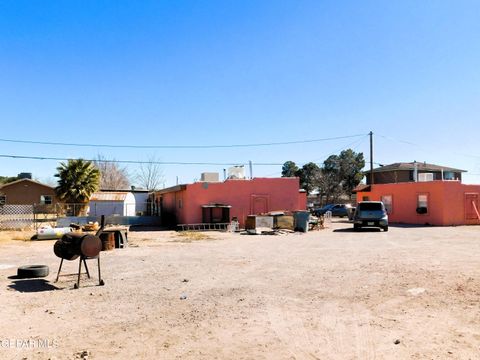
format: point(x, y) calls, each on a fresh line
point(31, 217)
point(16, 217)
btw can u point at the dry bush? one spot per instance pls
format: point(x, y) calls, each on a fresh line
point(16, 235)
point(189, 236)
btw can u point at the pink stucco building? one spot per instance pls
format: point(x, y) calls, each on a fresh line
point(429, 202)
point(219, 202)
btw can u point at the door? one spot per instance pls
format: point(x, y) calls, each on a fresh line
point(471, 207)
point(259, 204)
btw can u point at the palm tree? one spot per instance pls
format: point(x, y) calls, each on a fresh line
point(78, 180)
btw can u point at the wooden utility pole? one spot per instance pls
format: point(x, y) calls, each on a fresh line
point(371, 157)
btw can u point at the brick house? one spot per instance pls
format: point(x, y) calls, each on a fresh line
point(27, 192)
point(405, 172)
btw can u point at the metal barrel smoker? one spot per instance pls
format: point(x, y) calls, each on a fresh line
point(80, 245)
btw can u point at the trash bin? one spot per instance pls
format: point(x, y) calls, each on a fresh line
point(301, 220)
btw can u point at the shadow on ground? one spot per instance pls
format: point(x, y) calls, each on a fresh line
point(351, 230)
point(409, 226)
point(32, 285)
point(138, 228)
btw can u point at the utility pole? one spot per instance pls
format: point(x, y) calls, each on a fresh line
point(371, 157)
point(251, 168)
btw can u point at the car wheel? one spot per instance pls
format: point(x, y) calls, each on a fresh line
point(385, 228)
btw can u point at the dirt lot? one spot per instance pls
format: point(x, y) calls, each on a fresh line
point(410, 293)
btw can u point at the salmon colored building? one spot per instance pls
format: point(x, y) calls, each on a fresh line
point(430, 202)
point(219, 202)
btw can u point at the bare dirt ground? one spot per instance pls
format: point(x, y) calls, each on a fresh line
point(410, 293)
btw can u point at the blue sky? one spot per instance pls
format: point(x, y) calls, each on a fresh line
point(240, 72)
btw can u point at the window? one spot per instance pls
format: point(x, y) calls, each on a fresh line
point(45, 199)
point(387, 201)
point(180, 204)
point(448, 175)
point(3, 199)
point(370, 206)
point(422, 204)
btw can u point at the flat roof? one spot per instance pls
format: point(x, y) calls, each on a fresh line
point(171, 189)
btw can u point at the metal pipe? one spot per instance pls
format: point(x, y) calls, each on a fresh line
point(371, 158)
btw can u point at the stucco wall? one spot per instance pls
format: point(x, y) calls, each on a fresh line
point(446, 201)
point(244, 197)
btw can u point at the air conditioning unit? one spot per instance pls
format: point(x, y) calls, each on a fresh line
point(423, 177)
point(209, 177)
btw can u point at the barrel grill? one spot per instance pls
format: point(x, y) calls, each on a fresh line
point(80, 245)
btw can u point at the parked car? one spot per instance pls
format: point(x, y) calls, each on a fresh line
point(370, 214)
point(340, 210)
point(351, 212)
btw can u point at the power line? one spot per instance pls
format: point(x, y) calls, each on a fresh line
point(179, 146)
point(353, 145)
point(398, 140)
point(137, 162)
point(425, 148)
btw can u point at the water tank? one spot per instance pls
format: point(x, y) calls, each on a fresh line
point(25, 175)
point(236, 172)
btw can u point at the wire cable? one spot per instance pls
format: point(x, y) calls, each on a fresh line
point(425, 149)
point(179, 146)
point(138, 162)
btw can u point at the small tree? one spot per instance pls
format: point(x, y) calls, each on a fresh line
point(78, 179)
point(112, 176)
point(150, 174)
point(289, 169)
point(351, 165)
point(8, 179)
point(341, 173)
point(308, 175)
point(329, 186)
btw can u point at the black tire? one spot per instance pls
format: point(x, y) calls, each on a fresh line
point(385, 228)
point(32, 271)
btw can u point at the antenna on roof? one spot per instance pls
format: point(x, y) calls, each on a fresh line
point(371, 157)
point(415, 171)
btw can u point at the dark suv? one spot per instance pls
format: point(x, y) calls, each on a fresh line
point(340, 210)
point(370, 214)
